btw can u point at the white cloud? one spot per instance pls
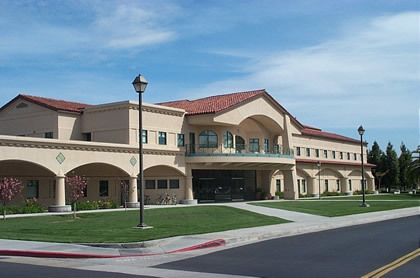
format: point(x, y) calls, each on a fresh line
point(370, 73)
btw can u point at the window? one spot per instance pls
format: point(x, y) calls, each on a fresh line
point(181, 140)
point(298, 151)
point(150, 184)
point(276, 148)
point(103, 188)
point(350, 185)
point(348, 156)
point(341, 155)
point(208, 139)
point(162, 138)
point(326, 185)
point(333, 154)
point(173, 184)
point(278, 185)
point(303, 185)
point(308, 152)
point(298, 182)
point(85, 191)
point(87, 136)
point(144, 136)
point(32, 189)
point(317, 152)
point(162, 184)
point(266, 146)
point(338, 185)
point(355, 156)
point(325, 154)
point(254, 145)
point(227, 140)
point(49, 135)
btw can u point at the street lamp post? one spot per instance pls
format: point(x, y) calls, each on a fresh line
point(361, 132)
point(319, 178)
point(140, 85)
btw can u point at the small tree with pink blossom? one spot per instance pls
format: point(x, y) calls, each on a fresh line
point(77, 187)
point(9, 189)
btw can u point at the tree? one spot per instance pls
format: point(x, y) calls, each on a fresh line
point(77, 186)
point(124, 191)
point(414, 166)
point(404, 161)
point(391, 164)
point(9, 189)
point(376, 156)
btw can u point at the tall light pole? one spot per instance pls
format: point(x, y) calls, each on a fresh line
point(140, 85)
point(361, 132)
point(319, 178)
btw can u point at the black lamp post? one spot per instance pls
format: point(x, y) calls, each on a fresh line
point(361, 132)
point(140, 85)
point(319, 178)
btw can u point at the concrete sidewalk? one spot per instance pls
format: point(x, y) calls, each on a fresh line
point(302, 223)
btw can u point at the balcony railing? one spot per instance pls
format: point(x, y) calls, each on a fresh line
point(238, 150)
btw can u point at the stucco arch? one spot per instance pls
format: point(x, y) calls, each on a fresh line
point(162, 170)
point(21, 168)
point(99, 169)
point(303, 172)
point(265, 121)
point(325, 170)
point(358, 173)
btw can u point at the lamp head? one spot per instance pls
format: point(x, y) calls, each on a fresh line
point(361, 130)
point(140, 84)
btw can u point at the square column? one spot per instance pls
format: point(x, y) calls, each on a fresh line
point(290, 184)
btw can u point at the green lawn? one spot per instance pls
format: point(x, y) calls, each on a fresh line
point(118, 226)
point(407, 197)
point(347, 205)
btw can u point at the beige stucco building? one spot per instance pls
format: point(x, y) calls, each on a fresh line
point(223, 147)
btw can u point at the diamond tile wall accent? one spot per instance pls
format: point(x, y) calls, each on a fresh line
point(60, 158)
point(133, 161)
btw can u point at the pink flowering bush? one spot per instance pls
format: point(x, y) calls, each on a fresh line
point(77, 186)
point(9, 189)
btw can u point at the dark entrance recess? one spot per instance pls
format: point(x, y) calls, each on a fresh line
point(224, 185)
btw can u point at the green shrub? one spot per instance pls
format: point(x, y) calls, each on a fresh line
point(31, 206)
point(305, 195)
point(280, 194)
point(94, 205)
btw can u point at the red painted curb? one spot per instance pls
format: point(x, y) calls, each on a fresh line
point(48, 254)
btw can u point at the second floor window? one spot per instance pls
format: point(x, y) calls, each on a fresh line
point(162, 138)
point(181, 140)
point(325, 154)
point(227, 140)
point(308, 152)
point(333, 154)
point(298, 151)
point(49, 135)
point(317, 152)
point(355, 156)
point(341, 155)
point(266, 146)
point(348, 156)
point(144, 136)
point(254, 145)
point(208, 139)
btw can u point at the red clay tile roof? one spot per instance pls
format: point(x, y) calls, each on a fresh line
point(54, 104)
point(213, 104)
point(311, 131)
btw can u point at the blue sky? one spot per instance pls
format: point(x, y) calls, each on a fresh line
point(332, 64)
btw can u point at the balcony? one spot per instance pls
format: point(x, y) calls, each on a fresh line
point(240, 150)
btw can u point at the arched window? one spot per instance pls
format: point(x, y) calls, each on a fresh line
point(208, 139)
point(227, 140)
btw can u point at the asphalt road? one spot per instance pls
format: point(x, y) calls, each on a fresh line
point(10, 270)
point(347, 252)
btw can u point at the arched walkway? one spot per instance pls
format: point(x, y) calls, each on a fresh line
point(164, 180)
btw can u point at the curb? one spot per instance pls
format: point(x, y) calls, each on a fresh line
point(67, 255)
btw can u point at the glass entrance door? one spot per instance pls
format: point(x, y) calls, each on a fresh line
point(237, 185)
point(206, 189)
